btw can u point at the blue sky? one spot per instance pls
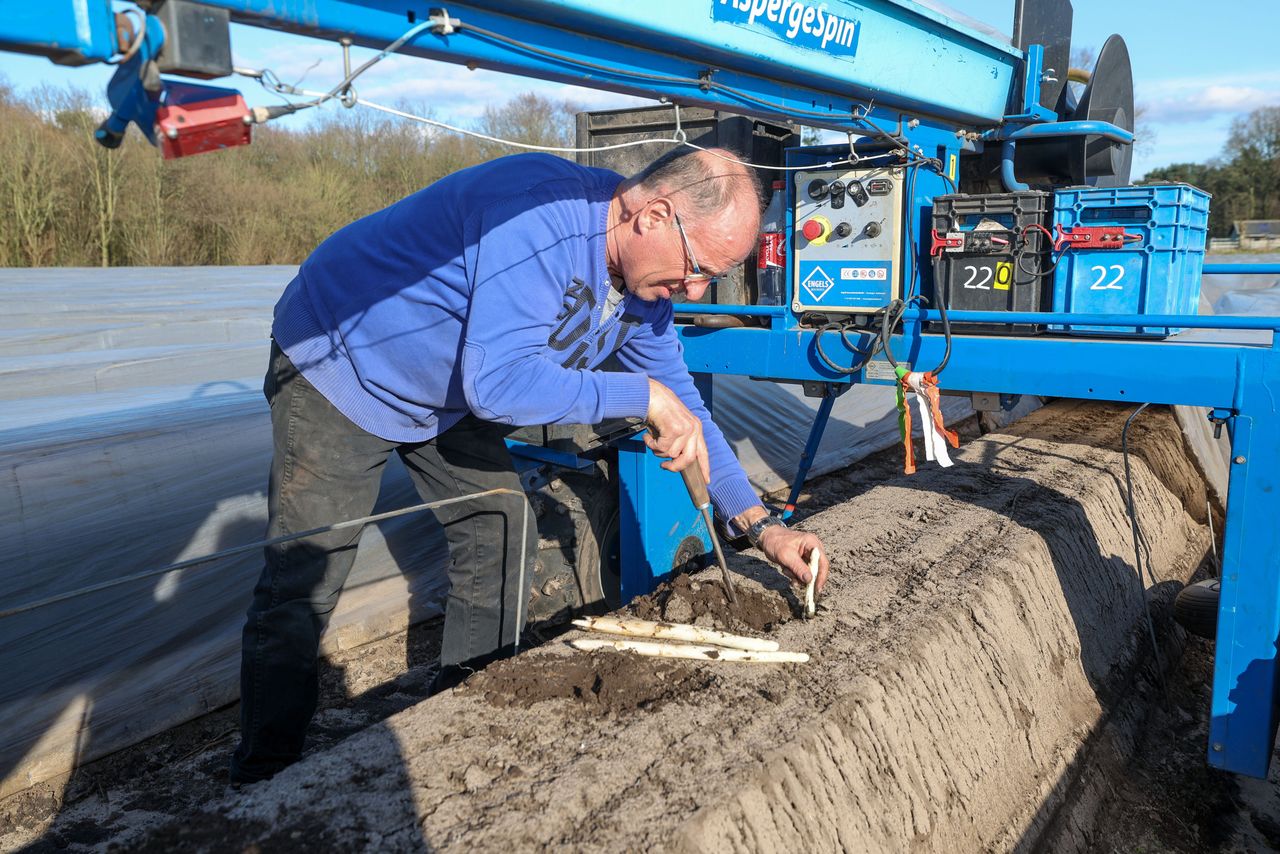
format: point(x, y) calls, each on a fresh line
point(1196, 66)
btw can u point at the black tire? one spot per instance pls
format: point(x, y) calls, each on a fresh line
point(1196, 608)
point(577, 568)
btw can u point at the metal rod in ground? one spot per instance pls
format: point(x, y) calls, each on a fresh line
point(715, 545)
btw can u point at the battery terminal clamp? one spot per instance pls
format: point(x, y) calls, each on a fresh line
point(976, 242)
point(1093, 237)
point(952, 241)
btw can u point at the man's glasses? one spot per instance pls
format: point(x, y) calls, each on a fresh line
point(697, 276)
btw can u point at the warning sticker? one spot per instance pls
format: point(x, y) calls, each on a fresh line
point(880, 369)
point(856, 274)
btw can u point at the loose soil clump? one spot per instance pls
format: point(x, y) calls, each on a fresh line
point(607, 681)
point(702, 602)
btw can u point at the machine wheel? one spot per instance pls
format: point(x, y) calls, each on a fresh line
point(1196, 608)
point(577, 569)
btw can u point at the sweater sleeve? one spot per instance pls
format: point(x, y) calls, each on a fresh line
point(656, 351)
point(520, 256)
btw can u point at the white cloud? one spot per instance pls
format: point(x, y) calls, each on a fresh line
point(1198, 98)
point(1210, 101)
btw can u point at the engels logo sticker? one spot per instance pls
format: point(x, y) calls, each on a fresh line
point(817, 283)
point(801, 22)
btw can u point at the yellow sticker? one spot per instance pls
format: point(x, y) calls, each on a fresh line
point(951, 167)
point(1004, 275)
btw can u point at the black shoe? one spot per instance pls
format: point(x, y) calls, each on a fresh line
point(240, 776)
point(448, 676)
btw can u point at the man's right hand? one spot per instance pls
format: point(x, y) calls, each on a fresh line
point(674, 431)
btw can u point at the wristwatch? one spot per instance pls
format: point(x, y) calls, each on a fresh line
point(757, 528)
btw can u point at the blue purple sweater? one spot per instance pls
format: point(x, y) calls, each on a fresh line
point(483, 293)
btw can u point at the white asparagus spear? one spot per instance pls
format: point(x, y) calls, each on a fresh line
point(810, 607)
point(700, 653)
point(634, 628)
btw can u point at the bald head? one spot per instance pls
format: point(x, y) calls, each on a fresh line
point(707, 184)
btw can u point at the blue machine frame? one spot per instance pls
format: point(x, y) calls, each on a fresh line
point(944, 88)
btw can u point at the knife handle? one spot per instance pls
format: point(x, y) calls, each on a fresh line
point(696, 485)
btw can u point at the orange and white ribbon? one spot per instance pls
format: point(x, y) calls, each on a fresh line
point(929, 405)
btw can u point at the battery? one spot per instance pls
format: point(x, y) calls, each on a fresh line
point(991, 253)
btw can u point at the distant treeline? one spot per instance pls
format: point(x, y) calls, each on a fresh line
point(1245, 180)
point(66, 201)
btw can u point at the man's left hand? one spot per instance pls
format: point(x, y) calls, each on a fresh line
point(791, 550)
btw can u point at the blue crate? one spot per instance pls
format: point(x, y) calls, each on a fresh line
point(1159, 274)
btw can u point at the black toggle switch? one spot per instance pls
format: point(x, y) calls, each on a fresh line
point(858, 194)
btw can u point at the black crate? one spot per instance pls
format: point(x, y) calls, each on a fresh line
point(1003, 262)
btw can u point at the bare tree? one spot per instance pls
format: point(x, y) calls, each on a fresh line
point(28, 174)
point(529, 118)
point(74, 113)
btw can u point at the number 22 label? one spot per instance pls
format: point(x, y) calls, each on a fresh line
point(1114, 284)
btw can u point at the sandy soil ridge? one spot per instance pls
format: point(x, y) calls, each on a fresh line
point(981, 623)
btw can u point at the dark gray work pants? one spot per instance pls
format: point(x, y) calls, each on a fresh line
point(326, 469)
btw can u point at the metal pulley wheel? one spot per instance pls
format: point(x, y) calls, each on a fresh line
point(1108, 97)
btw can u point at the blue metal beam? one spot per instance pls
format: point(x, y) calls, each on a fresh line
point(899, 54)
point(1171, 372)
point(70, 33)
point(1240, 269)
point(1242, 729)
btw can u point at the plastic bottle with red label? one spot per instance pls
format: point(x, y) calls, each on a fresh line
point(771, 257)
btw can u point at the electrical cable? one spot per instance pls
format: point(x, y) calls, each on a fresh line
point(701, 83)
point(939, 169)
point(893, 312)
point(946, 338)
point(1020, 254)
point(843, 328)
point(1140, 545)
point(346, 82)
point(896, 310)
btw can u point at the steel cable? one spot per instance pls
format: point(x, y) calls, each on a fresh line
point(285, 538)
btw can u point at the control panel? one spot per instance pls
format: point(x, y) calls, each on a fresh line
point(847, 247)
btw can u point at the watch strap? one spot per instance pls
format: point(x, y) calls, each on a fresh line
point(757, 528)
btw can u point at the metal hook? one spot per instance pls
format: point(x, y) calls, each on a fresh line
point(348, 94)
point(679, 135)
point(854, 157)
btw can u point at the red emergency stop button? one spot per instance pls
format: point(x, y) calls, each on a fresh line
point(816, 229)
